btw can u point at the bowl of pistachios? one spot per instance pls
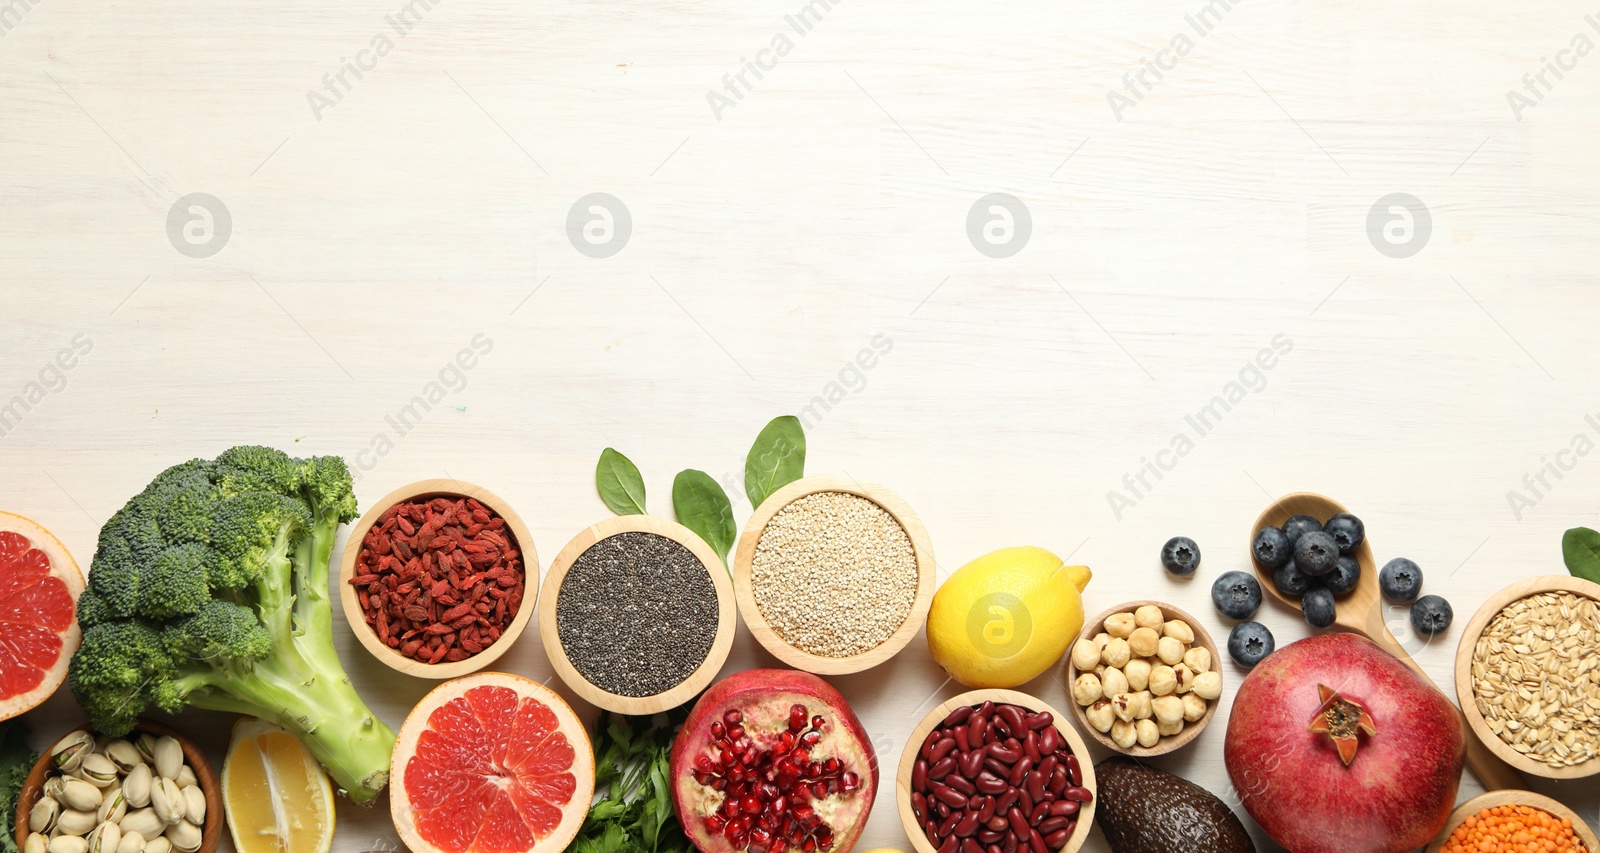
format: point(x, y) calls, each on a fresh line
point(149, 792)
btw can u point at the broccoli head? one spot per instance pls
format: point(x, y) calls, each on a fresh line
point(210, 589)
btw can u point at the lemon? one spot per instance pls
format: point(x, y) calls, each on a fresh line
point(276, 796)
point(1006, 617)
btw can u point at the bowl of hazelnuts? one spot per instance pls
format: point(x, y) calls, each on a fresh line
point(1144, 678)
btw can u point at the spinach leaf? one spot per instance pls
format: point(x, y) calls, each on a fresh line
point(1581, 548)
point(619, 483)
point(702, 506)
point(777, 459)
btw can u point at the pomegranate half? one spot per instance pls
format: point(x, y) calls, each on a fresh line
point(773, 761)
point(1335, 746)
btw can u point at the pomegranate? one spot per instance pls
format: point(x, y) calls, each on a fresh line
point(773, 761)
point(1334, 745)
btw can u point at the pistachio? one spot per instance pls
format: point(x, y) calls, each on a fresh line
point(1143, 641)
point(114, 807)
point(1169, 650)
point(196, 800)
point(1138, 673)
point(1120, 625)
point(98, 770)
point(1086, 689)
point(1113, 681)
point(185, 837)
point(144, 822)
point(70, 751)
point(1193, 707)
point(67, 844)
point(146, 744)
point(186, 777)
point(78, 794)
point(1198, 659)
point(132, 842)
point(136, 788)
point(1147, 733)
point(105, 838)
point(1116, 652)
point(44, 815)
point(1085, 654)
point(1208, 685)
point(158, 845)
point(54, 786)
point(36, 843)
point(1148, 616)
point(168, 757)
point(75, 822)
point(1178, 630)
point(1167, 709)
point(1124, 734)
point(1100, 715)
point(166, 798)
point(123, 754)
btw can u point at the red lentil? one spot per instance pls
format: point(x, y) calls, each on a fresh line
point(439, 578)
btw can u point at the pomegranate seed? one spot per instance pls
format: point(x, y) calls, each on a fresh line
point(717, 731)
point(797, 718)
point(850, 781)
point(733, 717)
point(817, 721)
point(715, 823)
point(704, 764)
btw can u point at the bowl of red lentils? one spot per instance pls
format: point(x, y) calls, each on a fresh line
point(833, 576)
point(434, 578)
point(1514, 822)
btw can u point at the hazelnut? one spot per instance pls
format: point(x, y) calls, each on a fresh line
point(1124, 734)
point(1100, 715)
point(1208, 685)
point(1143, 641)
point(1169, 650)
point(1148, 616)
point(1101, 639)
point(1193, 707)
point(1162, 680)
point(1178, 630)
point(1142, 705)
point(1185, 677)
point(1169, 729)
point(1085, 654)
point(1147, 733)
point(1120, 625)
point(1116, 652)
point(1167, 709)
point(1113, 681)
point(1086, 689)
point(1138, 673)
point(1198, 659)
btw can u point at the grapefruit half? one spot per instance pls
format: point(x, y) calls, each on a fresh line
point(39, 588)
point(491, 763)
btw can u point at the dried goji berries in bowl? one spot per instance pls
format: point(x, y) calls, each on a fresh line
point(434, 578)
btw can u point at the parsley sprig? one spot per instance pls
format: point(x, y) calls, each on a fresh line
point(632, 810)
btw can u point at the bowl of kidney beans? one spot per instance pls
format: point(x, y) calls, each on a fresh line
point(996, 771)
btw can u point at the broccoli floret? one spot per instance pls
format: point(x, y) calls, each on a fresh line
point(209, 589)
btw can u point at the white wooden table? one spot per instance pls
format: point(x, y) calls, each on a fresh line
point(420, 198)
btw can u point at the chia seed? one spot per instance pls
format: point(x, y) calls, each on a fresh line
point(636, 614)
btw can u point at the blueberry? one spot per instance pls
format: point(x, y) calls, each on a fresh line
point(1237, 595)
point(1180, 556)
point(1400, 580)
point(1431, 615)
point(1249, 642)
point(1344, 578)
point(1347, 530)
point(1291, 581)
point(1296, 527)
point(1271, 548)
point(1317, 606)
point(1316, 554)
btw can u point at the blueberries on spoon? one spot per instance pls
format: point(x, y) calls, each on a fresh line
point(1431, 615)
point(1291, 581)
point(1316, 553)
point(1180, 556)
point(1343, 579)
point(1271, 548)
point(1300, 525)
point(1317, 606)
point(1400, 580)
point(1249, 642)
point(1237, 595)
point(1347, 530)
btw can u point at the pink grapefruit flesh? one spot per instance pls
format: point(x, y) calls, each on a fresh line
point(39, 587)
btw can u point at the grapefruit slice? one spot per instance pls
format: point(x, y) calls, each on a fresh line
point(39, 587)
point(276, 797)
point(491, 763)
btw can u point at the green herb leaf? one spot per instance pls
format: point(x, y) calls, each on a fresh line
point(1581, 548)
point(16, 759)
point(777, 458)
point(702, 506)
point(619, 483)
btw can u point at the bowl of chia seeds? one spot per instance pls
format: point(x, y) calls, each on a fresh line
point(834, 576)
point(637, 614)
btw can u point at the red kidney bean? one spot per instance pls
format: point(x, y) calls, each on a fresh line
point(931, 827)
point(1019, 771)
point(950, 797)
point(990, 784)
point(990, 836)
point(1040, 812)
point(995, 766)
point(1049, 740)
point(1003, 753)
point(919, 805)
point(1010, 844)
point(1039, 720)
point(1073, 772)
point(1036, 841)
point(957, 717)
point(1058, 839)
point(1050, 825)
point(950, 845)
point(962, 784)
point(1025, 802)
point(1064, 808)
point(1018, 821)
point(1006, 800)
point(994, 848)
point(1077, 794)
point(986, 810)
point(967, 825)
point(1030, 747)
point(928, 745)
point(1058, 781)
point(1047, 767)
point(941, 768)
point(948, 824)
point(971, 763)
point(960, 734)
point(970, 846)
point(1012, 715)
point(997, 823)
point(942, 809)
point(1036, 787)
point(1001, 726)
point(987, 707)
point(919, 775)
point(941, 750)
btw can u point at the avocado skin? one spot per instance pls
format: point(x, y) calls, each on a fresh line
point(1144, 810)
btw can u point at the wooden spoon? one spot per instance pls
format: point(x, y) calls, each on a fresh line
point(1361, 612)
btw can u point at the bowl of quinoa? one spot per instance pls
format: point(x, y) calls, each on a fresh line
point(833, 576)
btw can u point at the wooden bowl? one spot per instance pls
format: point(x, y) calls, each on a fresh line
point(743, 575)
point(439, 488)
point(913, 747)
point(210, 834)
point(1515, 798)
point(1464, 692)
point(1167, 743)
point(727, 615)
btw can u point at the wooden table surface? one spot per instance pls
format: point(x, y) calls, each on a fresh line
point(1197, 291)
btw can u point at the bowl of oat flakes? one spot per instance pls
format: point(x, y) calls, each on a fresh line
point(1528, 676)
